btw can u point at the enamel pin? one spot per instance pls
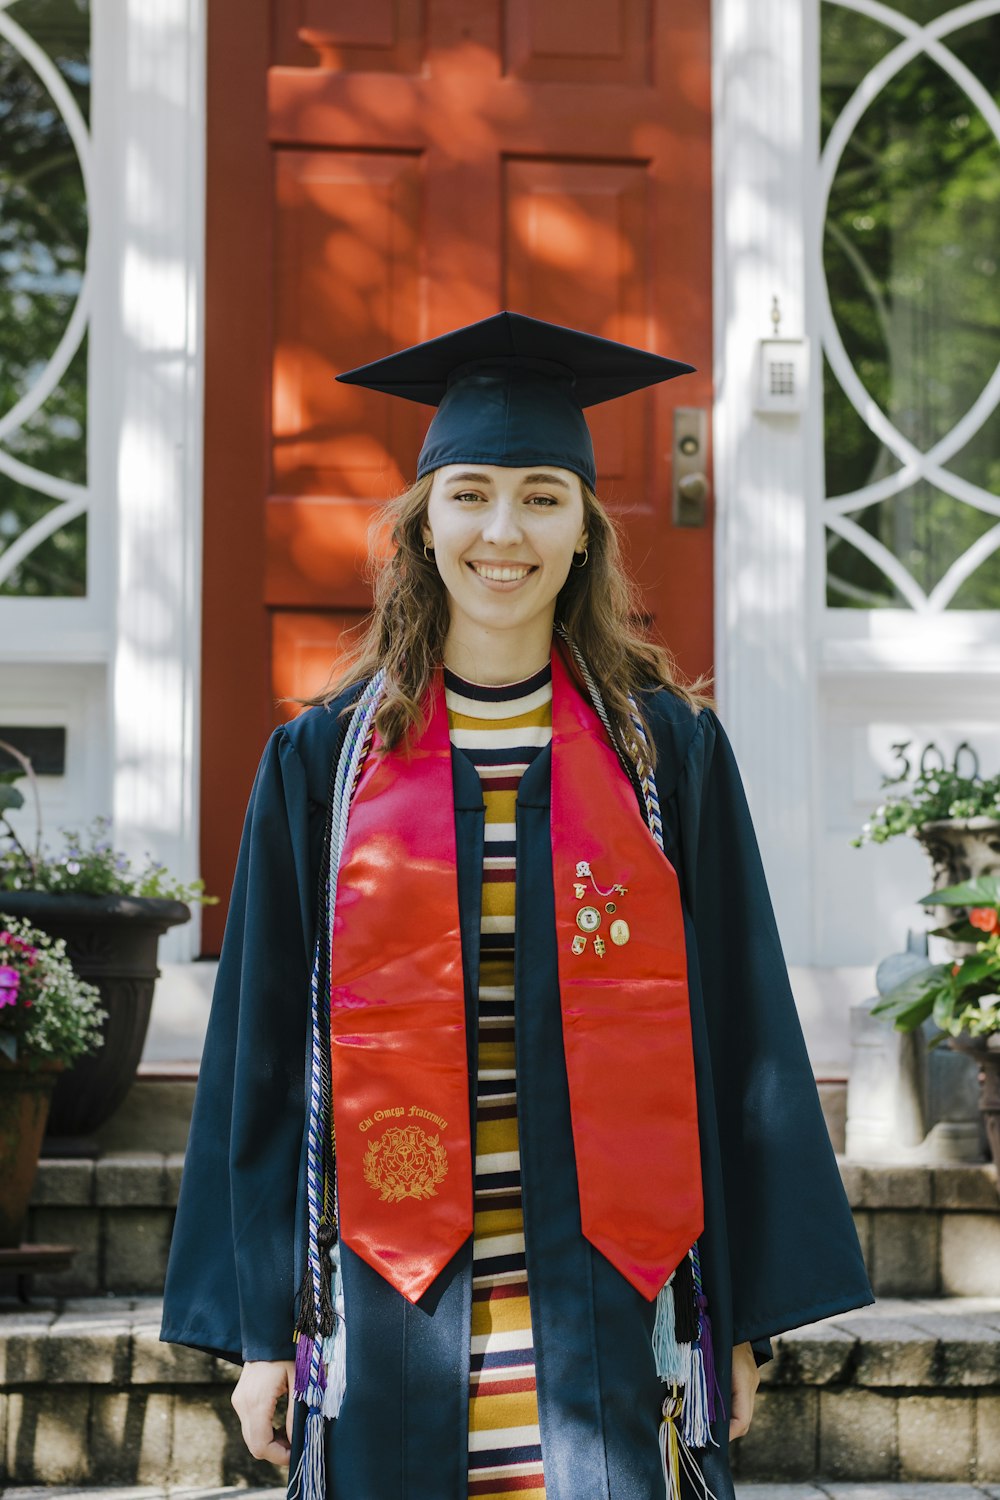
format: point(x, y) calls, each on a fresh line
point(589, 917)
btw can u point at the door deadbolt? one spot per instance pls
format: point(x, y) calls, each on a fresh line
point(690, 497)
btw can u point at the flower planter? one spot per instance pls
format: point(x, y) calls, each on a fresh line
point(961, 849)
point(25, 1096)
point(112, 942)
point(985, 1051)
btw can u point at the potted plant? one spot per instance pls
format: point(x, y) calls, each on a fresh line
point(955, 817)
point(110, 917)
point(962, 995)
point(49, 1017)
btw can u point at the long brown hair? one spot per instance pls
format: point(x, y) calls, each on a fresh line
point(405, 632)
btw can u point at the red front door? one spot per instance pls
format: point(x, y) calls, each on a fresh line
point(379, 173)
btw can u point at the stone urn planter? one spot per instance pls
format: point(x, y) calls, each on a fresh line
point(111, 942)
point(25, 1096)
point(960, 849)
point(985, 1053)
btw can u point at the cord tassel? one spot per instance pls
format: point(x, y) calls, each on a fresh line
point(671, 1357)
point(675, 1455)
point(695, 1428)
point(335, 1344)
point(685, 1307)
point(320, 1335)
point(325, 1239)
point(670, 1446)
point(708, 1356)
point(309, 1479)
point(303, 1360)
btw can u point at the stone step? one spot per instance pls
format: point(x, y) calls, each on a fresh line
point(924, 1230)
point(90, 1395)
point(927, 1230)
point(829, 1490)
point(155, 1114)
point(908, 1389)
point(905, 1392)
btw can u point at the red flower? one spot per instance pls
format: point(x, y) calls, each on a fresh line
point(985, 918)
point(954, 969)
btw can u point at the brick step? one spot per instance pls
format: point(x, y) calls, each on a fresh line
point(905, 1392)
point(155, 1114)
point(833, 1491)
point(90, 1395)
point(908, 1389)
point(929, 1230)
point(152, 1492)
point(925, 1230)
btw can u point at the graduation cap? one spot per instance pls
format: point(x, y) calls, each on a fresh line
point(511, 390)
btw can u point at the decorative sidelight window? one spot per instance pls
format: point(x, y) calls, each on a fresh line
point(44, 177)
point(910, 219)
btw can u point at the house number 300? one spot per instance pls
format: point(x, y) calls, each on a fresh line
point(932, 758)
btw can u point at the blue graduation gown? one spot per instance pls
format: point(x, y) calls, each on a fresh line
point(779, 1248)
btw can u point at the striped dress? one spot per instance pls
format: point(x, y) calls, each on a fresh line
point(501, 729)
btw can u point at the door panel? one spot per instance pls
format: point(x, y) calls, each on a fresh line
point(593, 41)
point(345, 288)
point(381, 171)
point(349, 35)
point(305, 646)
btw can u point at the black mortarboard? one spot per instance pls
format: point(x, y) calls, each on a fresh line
point(510, 390)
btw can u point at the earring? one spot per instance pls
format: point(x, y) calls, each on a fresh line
point(586, 554)
point(426, 554)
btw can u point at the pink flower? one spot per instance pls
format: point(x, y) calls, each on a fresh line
point(10, 981)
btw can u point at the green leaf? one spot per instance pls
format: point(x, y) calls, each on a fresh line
point(959, 931)
point(983, 891)
point(8, 1045)
point(905, 1014)
point(10, 797)
point(944, 1010)
point(13, 774)
point(909, 1017)
point(914, 987)
point(976, 967)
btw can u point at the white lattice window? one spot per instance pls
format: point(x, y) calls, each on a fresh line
point(45, 172)
point(910, 218)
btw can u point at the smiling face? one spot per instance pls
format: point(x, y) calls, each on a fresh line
point(503, 543)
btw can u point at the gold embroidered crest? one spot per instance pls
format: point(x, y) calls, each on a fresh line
point(405, 1162)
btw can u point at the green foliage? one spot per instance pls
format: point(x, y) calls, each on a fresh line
point(46, 1011)
point(10, 797)
point(935, 794)
point(89, 865)
point(962, 997)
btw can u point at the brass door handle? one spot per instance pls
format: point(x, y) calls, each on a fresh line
point(690, 497)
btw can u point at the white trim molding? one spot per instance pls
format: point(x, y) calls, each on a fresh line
point(764, 117)
point(149, 128)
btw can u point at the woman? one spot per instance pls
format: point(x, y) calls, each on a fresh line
point(543, 1156)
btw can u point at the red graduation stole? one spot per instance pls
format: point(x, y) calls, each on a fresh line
point(400, 1080)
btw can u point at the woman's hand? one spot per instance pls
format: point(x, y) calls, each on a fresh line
point(746, 1379)
point(261, 1384)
